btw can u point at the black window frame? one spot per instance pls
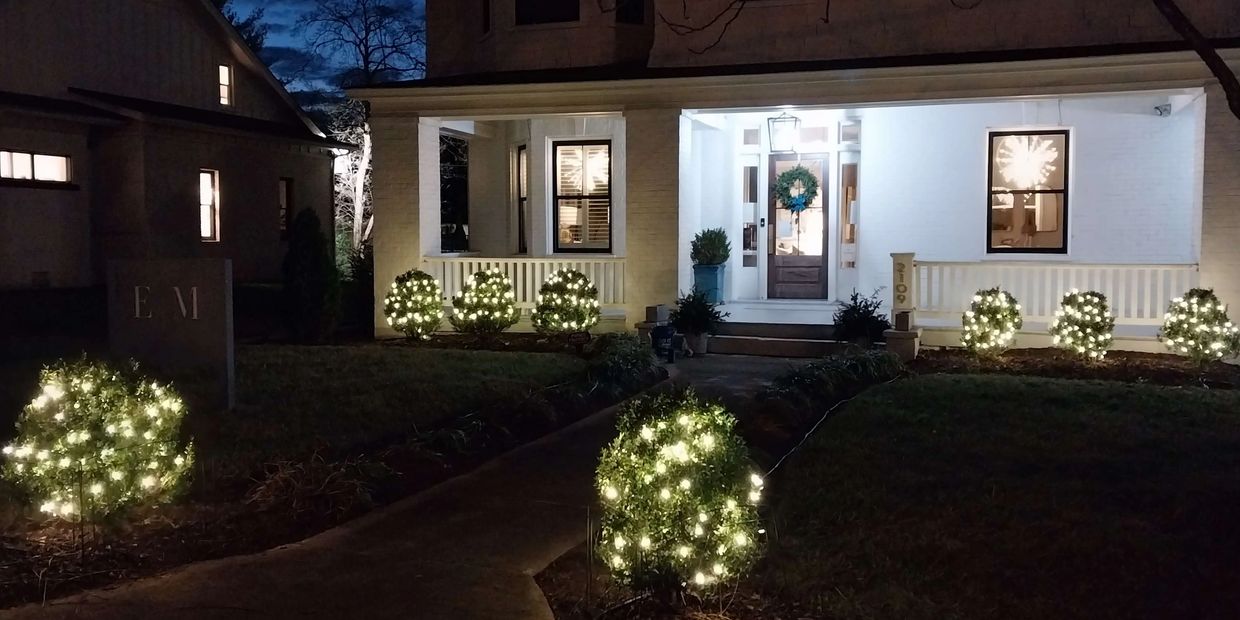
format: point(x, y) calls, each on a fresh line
point(286, 186)
point(991, 192)
point(631, 12)
point(523, 197)
point(556, 197)
point(533, 18)
point(35, 183)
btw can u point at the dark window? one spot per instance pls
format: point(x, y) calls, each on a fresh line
point(523, 197)
point(286, 206)
point(583, 196)
point(454, 194)
point(486, 16)
point(1028, 197)
point(547, 11)
point(631, 11)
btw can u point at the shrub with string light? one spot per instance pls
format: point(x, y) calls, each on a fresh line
point(414, 305)
point(486, 304)
point(1196, 326)
point(1083, 324)
point(679, 496)
point(567, 303)
point(97, 440)
point(991, 322)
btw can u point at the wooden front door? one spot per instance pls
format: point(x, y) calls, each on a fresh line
point(797, 243)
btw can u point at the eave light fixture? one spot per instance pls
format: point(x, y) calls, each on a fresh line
point(784, 131)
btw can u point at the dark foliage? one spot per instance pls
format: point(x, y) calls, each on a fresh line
point(859, 319)
point(311, 283)
point(710, 247)
point(696, 314)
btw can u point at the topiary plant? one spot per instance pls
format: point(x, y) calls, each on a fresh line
point(486, 304)
point(97, 440)
point(414, 305)
point(567, 303)
point(311, 282)
point(860, 320)
point(1083, 324)
point(1196, 326)
point(679, 496)
point(991, 323)
point(710, 247)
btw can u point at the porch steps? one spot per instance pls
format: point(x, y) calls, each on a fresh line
point(774, 340)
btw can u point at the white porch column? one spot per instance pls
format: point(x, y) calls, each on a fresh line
point(1220, 209)
point(652, 221)
point(905, 339)
point(405, 195)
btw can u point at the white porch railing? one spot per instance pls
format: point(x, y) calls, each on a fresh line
point(1138, 294)
point(528, 274)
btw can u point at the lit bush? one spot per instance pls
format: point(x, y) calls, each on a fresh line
point(97, 440)
point(991, 323)
point(1196, 326)
point(1083, 324)
point(414, 305)
point(486, 304)
point(679, 496)
point(567, 303)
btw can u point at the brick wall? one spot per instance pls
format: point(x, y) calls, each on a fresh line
point(1220, 229)
point(653, 138)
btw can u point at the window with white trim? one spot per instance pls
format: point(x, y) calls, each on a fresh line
point(582, 202)
point(226, 85)
point(209, 205)
point(1028, 210)
point(29, 166)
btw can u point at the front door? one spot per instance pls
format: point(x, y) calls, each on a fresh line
point(797, 252)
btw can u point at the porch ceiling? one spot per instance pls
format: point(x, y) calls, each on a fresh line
point(1060, 76)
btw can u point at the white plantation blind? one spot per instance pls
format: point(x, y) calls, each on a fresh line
point(583, 196)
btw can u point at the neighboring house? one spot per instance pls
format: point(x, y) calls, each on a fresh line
point(145, 128)
point(1038, 146)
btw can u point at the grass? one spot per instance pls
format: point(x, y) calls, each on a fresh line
point(1008, 497)
point(293, 401)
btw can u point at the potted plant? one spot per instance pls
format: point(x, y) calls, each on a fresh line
point(696, 316)
point(859, 321)
point(710, 251)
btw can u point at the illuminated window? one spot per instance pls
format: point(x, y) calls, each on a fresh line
point(226, 85)
point(1028, 211)
point(209, 205)
point(583, 196)
point(547, 11)
point(25, 166)
point(286, 206)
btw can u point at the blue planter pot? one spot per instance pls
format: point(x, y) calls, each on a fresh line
point(708, 279)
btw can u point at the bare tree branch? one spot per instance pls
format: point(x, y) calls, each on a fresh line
point(380, 39)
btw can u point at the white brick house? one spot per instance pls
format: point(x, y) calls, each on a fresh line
point(922, 139)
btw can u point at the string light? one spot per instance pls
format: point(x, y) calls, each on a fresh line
point(1196, 326)
point(486, 304)
point(567, 303)
point(76, 473)
point(414, 305)
point(1083, 325)
point(990, 324)
point(691, 508)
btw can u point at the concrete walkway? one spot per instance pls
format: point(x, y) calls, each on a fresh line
point(466, 549)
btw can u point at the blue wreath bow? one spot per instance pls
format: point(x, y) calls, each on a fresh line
point(798, 203)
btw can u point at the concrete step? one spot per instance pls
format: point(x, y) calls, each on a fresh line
point(773, 347)
point(789, 331)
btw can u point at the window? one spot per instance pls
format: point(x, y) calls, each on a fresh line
point(523, 197)
point(486, 16)
point(209, 205)
point(583, 196)
point(547, 11)
point(286, 206)
point(1028, 181)
point(226, 85)
point(26, 166)
point(631, 11)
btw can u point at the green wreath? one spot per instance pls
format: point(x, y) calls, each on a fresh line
point(788, 180)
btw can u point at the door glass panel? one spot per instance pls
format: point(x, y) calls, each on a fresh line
point(800, 234)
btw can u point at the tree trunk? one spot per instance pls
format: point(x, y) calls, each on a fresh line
point(1205, 49)
point(361, 225)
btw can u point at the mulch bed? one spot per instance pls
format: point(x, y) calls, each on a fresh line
point(1130, 367)
point(523, 342)
point(42, 560)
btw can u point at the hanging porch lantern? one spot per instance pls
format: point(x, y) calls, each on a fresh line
point(784, 131)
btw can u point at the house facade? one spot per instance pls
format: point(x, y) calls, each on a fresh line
point(1087, 148)
point(145, 128)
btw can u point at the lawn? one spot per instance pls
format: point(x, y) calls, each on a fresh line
point(1005, 497)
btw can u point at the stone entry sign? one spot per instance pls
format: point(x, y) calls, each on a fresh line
point(175, 316)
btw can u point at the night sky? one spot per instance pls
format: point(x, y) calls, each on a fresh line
point(286, 50)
